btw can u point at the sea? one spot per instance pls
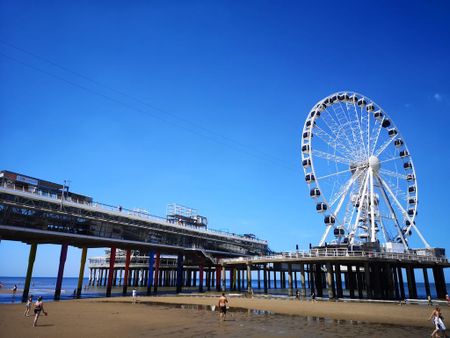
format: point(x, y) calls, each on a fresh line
point(45, 287)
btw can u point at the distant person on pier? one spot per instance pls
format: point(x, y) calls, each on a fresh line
point(38, 308)
point(223, 301)
point(28, 306)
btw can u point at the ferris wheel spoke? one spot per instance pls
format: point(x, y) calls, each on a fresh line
point(378, 132)
point(393, 174)
point(325, 137)
point(390, 159)
point(383, 147)
point(344, 112)
point(334, 174)
point(343, 128)
point(404, 212)
point(328, 156)
point(359, 126)
point(345, 187)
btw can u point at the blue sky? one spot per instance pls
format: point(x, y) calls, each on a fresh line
point(202, 103)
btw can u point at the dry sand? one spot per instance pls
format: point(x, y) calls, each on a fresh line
point(118, 317)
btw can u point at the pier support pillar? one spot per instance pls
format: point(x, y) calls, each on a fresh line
point(112, 260)
point(330, 281)
point(224, 278)
point(350, 280)
point(368, 282)
point(157, 261)
point(179, 272)
point(427, 282)
point(290, 286)
point(62, 262)
point(338, 281)
point(31, 259)
point(265, 278)
point(200, 278)
point(390, 285)
point(249, 278)
point(151, 263)
point(400, 283)
point(412, 289)
point(274, 278)
point(259, 278)
point(218, 277)
point(238, 279)
point(302, 280)
point(318, 279)
point(439, 281)
point(127, 271)
point(81, 274)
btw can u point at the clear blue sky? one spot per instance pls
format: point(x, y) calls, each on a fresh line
point(202, 103)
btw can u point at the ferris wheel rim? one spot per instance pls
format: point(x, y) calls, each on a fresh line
point(309, 156)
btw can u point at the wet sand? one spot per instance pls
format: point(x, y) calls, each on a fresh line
point(118, 317)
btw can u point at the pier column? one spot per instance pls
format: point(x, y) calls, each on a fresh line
point(389, 289)
point(224, 280)
point(157, 272)
point(412, 289)
point(368, 282)
point(218, 275)
point(439, 281)
point(179, 272)
point(200, 278)
point(265, 278)
point(302, 280)
point(31, 259)
point(151, 262)
point(81, 274)
point(350, 279)
point(396, 286)
point(359, 282)
point(330, 281)
point(62, 262)
point(318, 279)
point(274, 278)
point(259, 278)
point(249, 278)
point(400, 283)
point(127, 271)
point(427, 282)
point(239, 279)
point(338, 281)
point(290, 287)
point(112, 260)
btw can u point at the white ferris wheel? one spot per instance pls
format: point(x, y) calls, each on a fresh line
point(360, 173)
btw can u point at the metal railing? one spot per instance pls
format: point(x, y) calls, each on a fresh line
point(118, 210)
point(331, 252)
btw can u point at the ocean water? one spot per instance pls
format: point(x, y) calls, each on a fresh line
point(45, 287)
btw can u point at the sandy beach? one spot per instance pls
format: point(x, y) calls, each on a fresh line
point(155, 317)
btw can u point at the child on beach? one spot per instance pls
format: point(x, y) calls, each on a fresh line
point(28, 306)
point(38, 307)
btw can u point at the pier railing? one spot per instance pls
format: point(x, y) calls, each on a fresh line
point(335, 253)
point(119, 210)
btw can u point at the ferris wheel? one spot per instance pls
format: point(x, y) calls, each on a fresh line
point(359, 172)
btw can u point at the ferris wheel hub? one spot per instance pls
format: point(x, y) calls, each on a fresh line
point(374, 163)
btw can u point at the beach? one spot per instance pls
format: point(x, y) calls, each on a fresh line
point(179, 316)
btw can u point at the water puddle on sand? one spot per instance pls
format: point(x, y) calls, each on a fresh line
point(241, 322)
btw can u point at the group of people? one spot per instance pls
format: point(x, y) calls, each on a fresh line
point(38, 308)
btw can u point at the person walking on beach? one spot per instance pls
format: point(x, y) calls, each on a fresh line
point(14, 289)
point(223, 301)
point(28, 306)
point(38, 308)
point(437, 319)
point(313, 297)
point(297, 294)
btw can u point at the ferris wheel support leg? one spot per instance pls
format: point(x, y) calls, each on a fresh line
point(360, 199)
point(372, 207)
point(404, 213)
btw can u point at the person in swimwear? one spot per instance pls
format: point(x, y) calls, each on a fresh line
point(38, 308)
point(223, 301)
point(28, 306)
point(437, 319)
